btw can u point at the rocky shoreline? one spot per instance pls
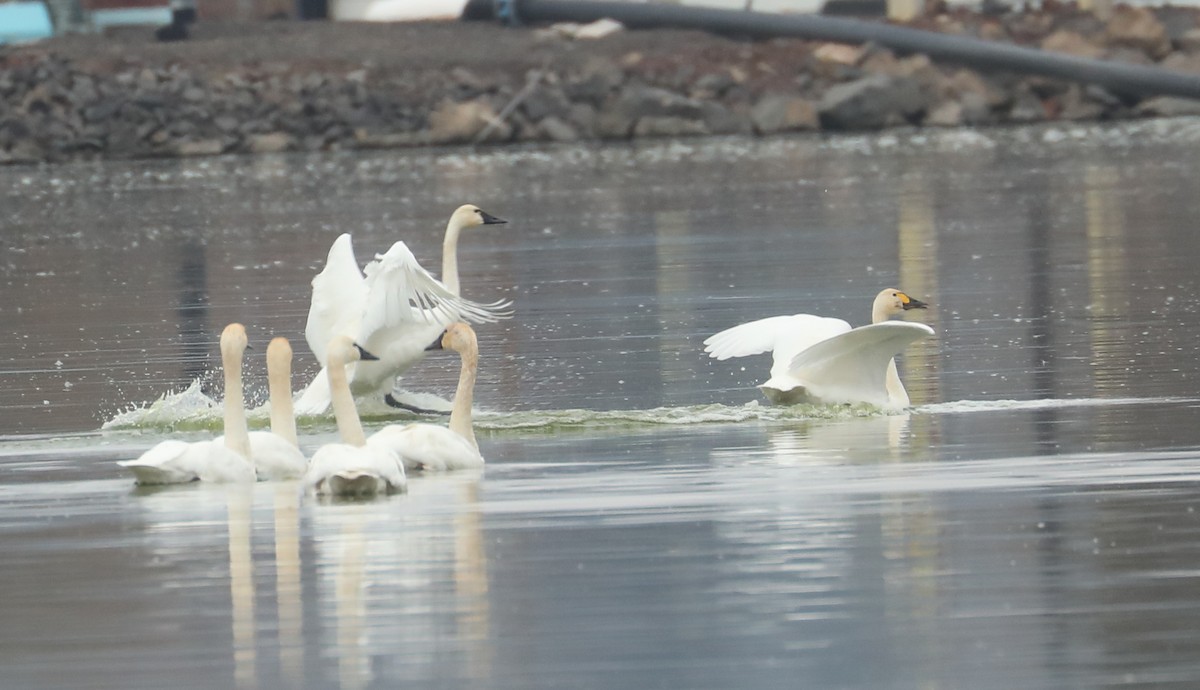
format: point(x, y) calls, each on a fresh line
point(293, 86)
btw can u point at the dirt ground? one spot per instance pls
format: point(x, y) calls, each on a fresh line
point(481, 47)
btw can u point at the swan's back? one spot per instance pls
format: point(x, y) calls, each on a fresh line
point(852, 366)
point(340, 469)
point(428, 447)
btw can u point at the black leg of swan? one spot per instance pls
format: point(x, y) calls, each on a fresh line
point(392, 402)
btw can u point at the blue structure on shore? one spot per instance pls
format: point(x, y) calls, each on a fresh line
point(24, 21)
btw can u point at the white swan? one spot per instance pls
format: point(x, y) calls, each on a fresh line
point(432, 447)
point(276, 453)
point(351, 468)
point(821, 359)
point(218, 460)
point(395, 311)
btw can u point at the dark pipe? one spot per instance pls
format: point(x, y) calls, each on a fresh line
point(1118, 77)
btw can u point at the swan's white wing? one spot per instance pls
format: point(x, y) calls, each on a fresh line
point(427, 447)
point(339, 295)
point(783, 336)
point(852, 366)
point(168, 462)
point(796, 332)
point(399, 292)
point(276, 458)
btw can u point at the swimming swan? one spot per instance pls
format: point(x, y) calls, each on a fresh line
point(217, 460)
point(395, 311)
point(351, 468)
point(432, 447)
point(821, 359)
point(276, 453)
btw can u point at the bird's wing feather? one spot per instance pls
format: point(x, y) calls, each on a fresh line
point(772, 333)
point(338, 296)
point(399, 291)
point(853, 365)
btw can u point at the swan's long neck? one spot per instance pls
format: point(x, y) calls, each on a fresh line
point(879, 312)
point(450, 256)
point(348, 424)
point(460, 414)
point(897, 396)
point(237, 435)
point(279, 379)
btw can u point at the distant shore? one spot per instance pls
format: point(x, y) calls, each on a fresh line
point(307, 86)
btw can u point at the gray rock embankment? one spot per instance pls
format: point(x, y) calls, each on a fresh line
point(57, 105)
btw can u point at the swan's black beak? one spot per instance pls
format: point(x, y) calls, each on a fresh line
point(489, 219)
point(437, 344)
point(364, 355)
point(911, 303)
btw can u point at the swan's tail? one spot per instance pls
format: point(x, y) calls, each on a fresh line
point(154, 475)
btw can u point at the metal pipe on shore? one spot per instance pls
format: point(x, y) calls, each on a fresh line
point(1118, 77)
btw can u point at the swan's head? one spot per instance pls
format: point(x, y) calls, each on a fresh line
point(470, 216)
point(233, 338)
point(279, 349)
point(343, 350)
point(459, 337)
point(893, 302)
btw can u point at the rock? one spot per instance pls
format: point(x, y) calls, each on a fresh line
point(1182, 62)
point(870, 103)
point(1071, 43)
point(668, 127)
point(1137, 27)
point(459, 122)
point(721, 120)
point(227, 124)
point(1189, 41)
point(272, 142)
point(555, 129)
point(583, 117)
point(712, 85)
point(620, 118)
point(965, 82)
point(839, 52)
point(598, 79)
point(1168, 106)
point(784, 113)
point(944, 114)
point(201, 147)
point(545, 101)
point(1074, 105)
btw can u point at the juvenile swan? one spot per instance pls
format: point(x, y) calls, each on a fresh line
point(432, 447)
point(394, 311)
point(821, 359)
point(276, 453)
point(218, 460)
point(351, 468)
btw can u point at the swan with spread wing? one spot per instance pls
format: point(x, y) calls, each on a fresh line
point(394, 308)
point(823, 359)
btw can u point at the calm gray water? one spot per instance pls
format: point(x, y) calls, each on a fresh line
point(643, 520)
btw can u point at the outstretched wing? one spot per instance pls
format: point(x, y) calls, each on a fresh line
point(783, 336)
point(399, 291)
point(853, 366)
point(339, 294)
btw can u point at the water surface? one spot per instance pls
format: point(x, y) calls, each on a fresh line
point(643, 520)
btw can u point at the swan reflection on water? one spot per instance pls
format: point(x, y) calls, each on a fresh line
point(366, 563)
